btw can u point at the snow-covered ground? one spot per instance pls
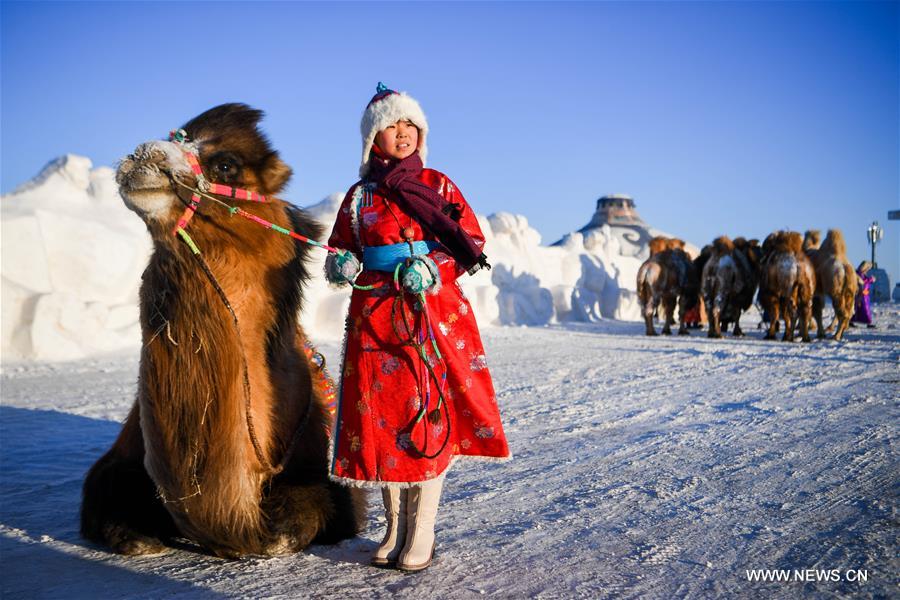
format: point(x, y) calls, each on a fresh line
point(644, 468)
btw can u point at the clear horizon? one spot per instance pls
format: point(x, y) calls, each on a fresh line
point(732, 118)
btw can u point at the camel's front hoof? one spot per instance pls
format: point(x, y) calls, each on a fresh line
point(283, 545)
point(667, 332)
point(714, 335)
point(652, 333)
point(141, 546)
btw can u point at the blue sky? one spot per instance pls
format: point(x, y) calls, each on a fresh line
point(733, 118)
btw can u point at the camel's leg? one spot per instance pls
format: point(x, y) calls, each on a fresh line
point(120, 508)
point(649, 309)
point(669, 310)
point(773, 323)
point(648, 324)
point(805, 310)
point(818, 303)
point(349, 516)
point(324, 513)
point(841, 316)
point(738, 332)
point(790, 311)
point(715, 330)
point(682, 311)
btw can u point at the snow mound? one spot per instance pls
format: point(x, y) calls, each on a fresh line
point(73, 254)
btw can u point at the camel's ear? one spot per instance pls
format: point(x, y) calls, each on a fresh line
point(275, 174)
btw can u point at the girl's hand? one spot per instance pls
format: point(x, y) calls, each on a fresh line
point(420, 275)
point(342, 268)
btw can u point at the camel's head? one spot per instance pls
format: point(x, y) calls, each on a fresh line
point(754, 252)
point(657, 245)
point(232, 151)
point(812, 239)
point(722, 245)
point(674, 244)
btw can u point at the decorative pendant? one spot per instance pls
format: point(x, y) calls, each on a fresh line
point(408, 233)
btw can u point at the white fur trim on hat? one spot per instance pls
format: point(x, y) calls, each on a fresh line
point(387, 111)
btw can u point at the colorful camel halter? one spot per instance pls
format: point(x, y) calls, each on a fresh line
point(204, 188)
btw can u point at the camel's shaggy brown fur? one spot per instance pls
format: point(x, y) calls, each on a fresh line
point(836, 279)
point(184, 464)
point(657, 244)
point(787, 284)
point(728, 281)
point(666, 278)
point(812, 239)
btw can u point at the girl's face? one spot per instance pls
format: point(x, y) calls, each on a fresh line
point(398, 140)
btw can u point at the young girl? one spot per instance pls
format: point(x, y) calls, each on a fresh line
point(415, 389)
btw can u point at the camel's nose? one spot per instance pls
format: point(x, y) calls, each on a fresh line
point(148, 153)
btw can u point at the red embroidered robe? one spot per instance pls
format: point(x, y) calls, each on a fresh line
point(377, 440)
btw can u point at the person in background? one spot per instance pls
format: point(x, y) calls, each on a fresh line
point(863, 304)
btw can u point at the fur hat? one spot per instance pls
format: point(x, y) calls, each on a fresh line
point(386, 108)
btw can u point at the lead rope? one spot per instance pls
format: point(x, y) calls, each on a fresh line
point(235, 210)
point(251, 430)
point(418, 342)
point(434, 416)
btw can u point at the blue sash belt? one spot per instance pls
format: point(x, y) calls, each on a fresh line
point(386, 258)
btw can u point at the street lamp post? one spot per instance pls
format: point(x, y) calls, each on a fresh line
point(874, 233)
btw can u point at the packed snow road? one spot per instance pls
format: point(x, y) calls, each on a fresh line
point(643, 468)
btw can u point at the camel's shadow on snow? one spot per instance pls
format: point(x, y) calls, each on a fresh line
point(34, 570)
point(44, 456)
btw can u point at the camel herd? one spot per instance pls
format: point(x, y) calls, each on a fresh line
point(790, 275)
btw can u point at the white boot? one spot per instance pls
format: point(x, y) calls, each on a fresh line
point(421, 511)
point(395, 501)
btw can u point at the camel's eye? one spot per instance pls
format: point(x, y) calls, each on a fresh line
point(225, 167)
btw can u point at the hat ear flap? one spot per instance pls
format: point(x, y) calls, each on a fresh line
point(275, 174)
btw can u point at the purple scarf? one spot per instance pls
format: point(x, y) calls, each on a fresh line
point(426, 206)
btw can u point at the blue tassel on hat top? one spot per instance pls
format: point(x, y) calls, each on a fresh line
point(381, 91)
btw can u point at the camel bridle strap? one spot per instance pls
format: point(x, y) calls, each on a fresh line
point(179, 137)
point(251, 429)
point(208, 190)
